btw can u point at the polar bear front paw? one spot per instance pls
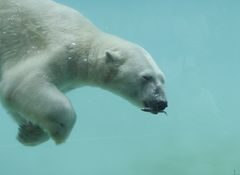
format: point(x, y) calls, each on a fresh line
point(31, 135)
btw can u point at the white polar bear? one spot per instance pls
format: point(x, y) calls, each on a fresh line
point(47, 49)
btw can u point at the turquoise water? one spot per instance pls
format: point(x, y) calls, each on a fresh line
point(196, 44)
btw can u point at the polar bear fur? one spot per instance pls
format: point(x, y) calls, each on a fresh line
point(47, 49)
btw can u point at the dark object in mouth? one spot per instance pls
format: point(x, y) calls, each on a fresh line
point(147, 109)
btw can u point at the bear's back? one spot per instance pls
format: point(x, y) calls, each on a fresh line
point(29, 27)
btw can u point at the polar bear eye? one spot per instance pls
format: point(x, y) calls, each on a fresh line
point(147, 77)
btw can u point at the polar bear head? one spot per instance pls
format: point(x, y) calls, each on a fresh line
point(129, 71)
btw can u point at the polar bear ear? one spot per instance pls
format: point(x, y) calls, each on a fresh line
point(114, 57)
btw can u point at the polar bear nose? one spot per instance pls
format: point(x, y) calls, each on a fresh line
point(162, 105)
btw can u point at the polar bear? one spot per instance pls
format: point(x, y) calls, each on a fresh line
point(47, 49)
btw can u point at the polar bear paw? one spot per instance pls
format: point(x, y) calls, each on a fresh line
point(31, 135)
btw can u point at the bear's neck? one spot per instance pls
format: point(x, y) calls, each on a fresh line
point(81, 62)
point(97, 67)
point(68, 67)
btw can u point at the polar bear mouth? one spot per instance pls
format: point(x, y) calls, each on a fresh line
point(147, 109)
point(155, 107)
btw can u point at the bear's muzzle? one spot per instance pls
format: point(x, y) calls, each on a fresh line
point(155, 106)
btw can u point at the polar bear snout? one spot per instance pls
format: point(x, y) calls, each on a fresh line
point(155, 105)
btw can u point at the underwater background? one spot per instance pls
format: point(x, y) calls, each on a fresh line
point(196, 44)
